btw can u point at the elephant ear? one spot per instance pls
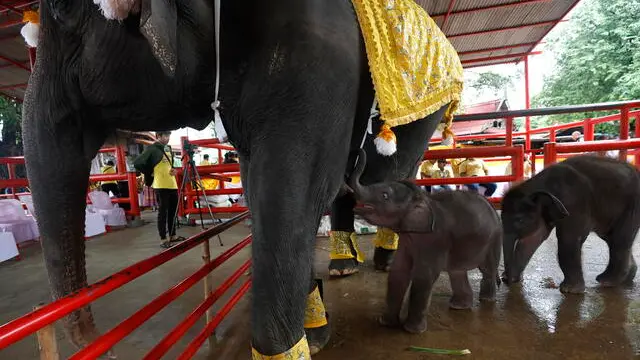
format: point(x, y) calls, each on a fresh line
point(159, 25)
point(553, 207)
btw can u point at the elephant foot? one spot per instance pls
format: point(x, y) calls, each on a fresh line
point(461, 303)
point(631, 274)
point(389, 321)
point(343, 267)
point(416, 327)
point(572, 288)
point(382, 259)
point(488, 289)
point(81, 330)
point(318, 337)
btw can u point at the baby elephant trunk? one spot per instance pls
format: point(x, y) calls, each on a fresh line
point(359, 190)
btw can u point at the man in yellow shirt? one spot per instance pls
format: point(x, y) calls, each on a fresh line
point(425, 172)
point(106, 186)
point(205, 160)
point(156, 163)
point(476, 167)
point(208, 184)
point(441, 173)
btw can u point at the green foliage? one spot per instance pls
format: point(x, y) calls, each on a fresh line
point(11, 132)
point(597, 60)
point(491, 81)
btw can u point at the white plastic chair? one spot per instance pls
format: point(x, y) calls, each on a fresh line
point(112, 214)
point(13, 219)
point(8, 247)
point(94, 223)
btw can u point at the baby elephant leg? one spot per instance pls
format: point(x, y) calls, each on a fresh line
point(489, 269)
point(420, 296)
point(462, 295)
point(397, 284)
point(622, 266)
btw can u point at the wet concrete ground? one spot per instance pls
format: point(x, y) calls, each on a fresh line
point(531, 321)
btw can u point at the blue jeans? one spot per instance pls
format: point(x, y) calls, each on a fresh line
point(491, 188)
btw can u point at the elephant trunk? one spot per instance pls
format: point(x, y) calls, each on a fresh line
point(359, 190)
point(508, 246)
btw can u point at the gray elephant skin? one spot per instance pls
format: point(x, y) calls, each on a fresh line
point(581, 194)
point(455, 231)
point(296, 94)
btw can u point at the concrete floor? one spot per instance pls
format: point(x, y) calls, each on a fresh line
point(531, 321)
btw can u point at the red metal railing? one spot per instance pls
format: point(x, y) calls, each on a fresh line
point(28, 324)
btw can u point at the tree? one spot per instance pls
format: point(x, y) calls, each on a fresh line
point(10, 133)
point(493, 82)
point(597, 59)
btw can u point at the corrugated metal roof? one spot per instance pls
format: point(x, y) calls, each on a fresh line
point(484, 32)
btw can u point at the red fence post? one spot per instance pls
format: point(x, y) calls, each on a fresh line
point(527, 120)
point(588, 129)
point(518, 161)
point(133, 194)
point(552, 135)
point(624, 131)
point(549, 154)
point(509, 138)
point(637, 157)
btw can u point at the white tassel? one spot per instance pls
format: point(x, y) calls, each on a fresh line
point(447, 141)
point(118, 9)
point(384, 147)
point(30, 33)
point(218, 126)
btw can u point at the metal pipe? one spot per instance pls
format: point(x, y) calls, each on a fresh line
point(206, 332)
point(105, 342)
point(527, 104)
point(26, 325)
point(170, 339)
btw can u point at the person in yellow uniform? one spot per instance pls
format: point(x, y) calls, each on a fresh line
point(426, 169)
point(156, 163)
point(476, 167)
point(106, 186)
point(441, 173)
point(208, 184)
point(205, 160)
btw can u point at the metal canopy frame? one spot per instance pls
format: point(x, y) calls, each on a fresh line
point(485, 32)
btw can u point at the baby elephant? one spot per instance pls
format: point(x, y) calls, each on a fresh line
point(453, 231)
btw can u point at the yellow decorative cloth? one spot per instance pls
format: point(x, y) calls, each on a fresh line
point(299, 351)
point(386, 239)
point(341, 243)
point(315, 315)
point(415, 69)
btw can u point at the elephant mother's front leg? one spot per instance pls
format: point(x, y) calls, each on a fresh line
point(287, 194)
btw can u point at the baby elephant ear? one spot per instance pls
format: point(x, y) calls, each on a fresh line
point(551, 204)
point(159, 25)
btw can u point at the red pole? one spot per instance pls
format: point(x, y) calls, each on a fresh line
point(509, 139)
point(549, 154)
point(133, 194)
point(28, 324)
point(527, 99)
point(637, 157)
point(552, 135)
point(624, 131)
point(588, 130)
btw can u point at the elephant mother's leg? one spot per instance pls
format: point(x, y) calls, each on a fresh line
point(298, 121)
point(412, 141)
point(58, 156)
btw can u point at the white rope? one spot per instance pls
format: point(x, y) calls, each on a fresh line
point(219, 129)
point(372, 113)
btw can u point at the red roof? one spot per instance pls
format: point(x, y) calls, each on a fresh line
point(477, 127)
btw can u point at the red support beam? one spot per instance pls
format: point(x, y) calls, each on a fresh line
point(491, 7)
point(452, 3)
point(492, 64)
point(16, 6)
point(517, 27)
point(14, 86)
point(14, 62)
point(558, 22)
point(499, 48)
point(501, 57)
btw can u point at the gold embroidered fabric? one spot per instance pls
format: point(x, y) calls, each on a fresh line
point(341, 244)
point(315, 315)
point(415, 69)
point(386, 239)
point(299, 351)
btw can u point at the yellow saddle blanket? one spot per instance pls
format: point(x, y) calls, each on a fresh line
point(415, 69)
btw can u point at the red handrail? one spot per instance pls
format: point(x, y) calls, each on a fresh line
point(28, 324)
point(165, 344)
point(102, 344)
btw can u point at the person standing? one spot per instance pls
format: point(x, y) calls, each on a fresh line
point(156, 163)
point(106, 186)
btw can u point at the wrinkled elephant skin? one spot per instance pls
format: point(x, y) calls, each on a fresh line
point(432, 240)
point(295, 94)
point(570, 196)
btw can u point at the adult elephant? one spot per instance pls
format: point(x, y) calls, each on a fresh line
point(296, 95)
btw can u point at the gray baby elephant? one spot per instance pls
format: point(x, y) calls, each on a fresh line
point(454, 231)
